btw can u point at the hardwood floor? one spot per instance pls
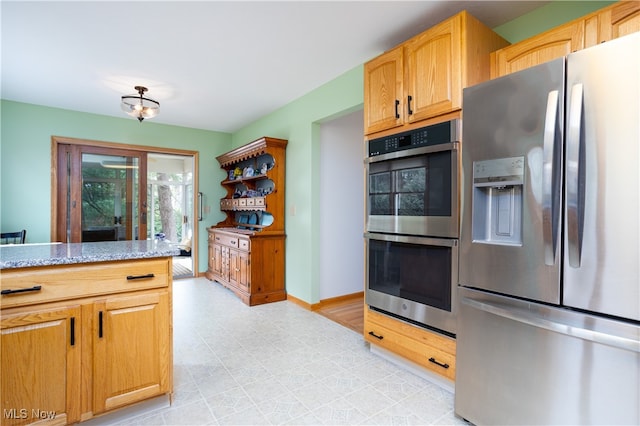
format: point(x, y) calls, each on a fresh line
point(347, 312)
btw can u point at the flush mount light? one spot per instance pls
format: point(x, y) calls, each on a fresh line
point(139, 106)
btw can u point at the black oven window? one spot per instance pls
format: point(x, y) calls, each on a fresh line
point(420, 273)
point(415, 186)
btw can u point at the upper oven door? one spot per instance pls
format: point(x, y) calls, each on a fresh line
point(414, 192)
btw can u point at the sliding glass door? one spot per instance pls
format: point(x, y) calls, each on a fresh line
point(104, 191)
point(101, 194)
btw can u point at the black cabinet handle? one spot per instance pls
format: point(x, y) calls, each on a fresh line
point(397, 105)
point(433, 360)
point(100, 324)
point(21, 290)
point(409, 99)
point(371, 333)
point(73, 331)
point(139, 277)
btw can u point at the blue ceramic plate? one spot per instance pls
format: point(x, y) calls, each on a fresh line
point(243, 219)
point(267, 219)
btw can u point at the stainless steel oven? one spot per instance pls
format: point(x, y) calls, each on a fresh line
point(412, 183)
point(414, 278)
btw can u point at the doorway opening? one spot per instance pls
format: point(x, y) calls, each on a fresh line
point(170, 200)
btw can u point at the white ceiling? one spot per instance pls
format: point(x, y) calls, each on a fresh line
point(215, 65)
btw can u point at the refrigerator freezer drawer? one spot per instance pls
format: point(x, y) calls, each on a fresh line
point(524, 363)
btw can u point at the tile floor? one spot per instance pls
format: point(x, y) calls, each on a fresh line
point(281, 364)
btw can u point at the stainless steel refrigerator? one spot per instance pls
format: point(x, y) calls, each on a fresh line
point(549, 281)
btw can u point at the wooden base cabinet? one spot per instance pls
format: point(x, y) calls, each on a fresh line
point(131, 351)
point(95, 337)
point(428, 349)
point(41, 365)
point(252, 266)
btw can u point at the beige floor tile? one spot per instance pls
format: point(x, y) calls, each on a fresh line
point(279, 364)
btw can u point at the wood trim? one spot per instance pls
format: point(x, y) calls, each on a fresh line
point(121, 145)
point(325, 302)
point(299, 302)
point(249, 150)
point(332, 301)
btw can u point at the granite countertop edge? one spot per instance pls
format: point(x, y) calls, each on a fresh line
point(34, 255)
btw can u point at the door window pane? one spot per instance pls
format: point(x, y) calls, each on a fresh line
point(109, 197)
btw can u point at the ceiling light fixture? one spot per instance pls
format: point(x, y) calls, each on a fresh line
point(139, 106)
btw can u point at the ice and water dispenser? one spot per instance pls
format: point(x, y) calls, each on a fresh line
point(497, 201)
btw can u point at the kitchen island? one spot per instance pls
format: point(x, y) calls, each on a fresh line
point(85, 328)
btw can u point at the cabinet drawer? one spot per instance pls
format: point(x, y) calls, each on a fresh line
point(244, 244)
point(227, 240)
point(443, 343)
point(430, 350)
point(67, 282)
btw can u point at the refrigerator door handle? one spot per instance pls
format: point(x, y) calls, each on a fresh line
point(550, 181)
point(575, 177)
point(524, 317)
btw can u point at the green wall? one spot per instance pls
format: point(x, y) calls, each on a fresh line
point(25, 160)
point(298, 123)
point(27, 130)
point(547, 17)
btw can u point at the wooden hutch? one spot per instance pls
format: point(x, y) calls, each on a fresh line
point(247, 248)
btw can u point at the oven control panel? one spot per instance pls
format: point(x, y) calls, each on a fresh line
point(431, 135)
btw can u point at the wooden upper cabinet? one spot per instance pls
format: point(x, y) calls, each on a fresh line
point(434, 74)
point(606, 24)
point(618, 20)
point(383, 77)
point(424, 77)
point(544, 47)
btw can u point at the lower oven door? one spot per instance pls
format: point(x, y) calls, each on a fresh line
point(414, 278)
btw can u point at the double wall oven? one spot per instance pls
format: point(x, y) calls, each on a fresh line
point(412, 225)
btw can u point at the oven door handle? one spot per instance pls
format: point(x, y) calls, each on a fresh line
point(450, 146)
point(410, 239)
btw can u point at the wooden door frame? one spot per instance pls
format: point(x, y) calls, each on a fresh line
point(56, 141)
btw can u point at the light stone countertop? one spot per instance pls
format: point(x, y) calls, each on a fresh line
point(48, 254)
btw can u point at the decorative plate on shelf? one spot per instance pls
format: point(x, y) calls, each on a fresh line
point(267, 219)
point(243, 218)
